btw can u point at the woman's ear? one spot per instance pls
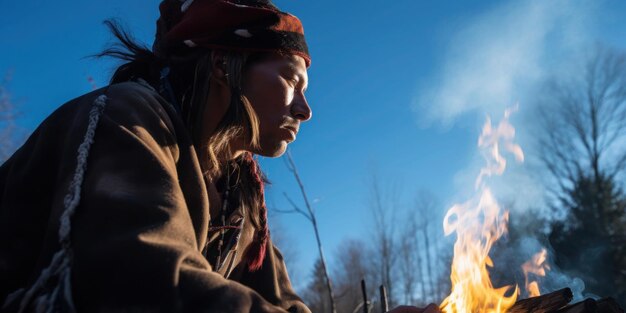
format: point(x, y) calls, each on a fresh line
point(218, 66)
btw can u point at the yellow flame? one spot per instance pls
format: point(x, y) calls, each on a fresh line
point(537, 266)
point(478, 224)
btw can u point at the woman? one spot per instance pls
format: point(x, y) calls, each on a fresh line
point(144, 195)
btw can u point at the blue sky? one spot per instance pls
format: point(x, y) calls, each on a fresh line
point(399, 88)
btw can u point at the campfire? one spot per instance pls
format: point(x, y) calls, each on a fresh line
point(478, 224)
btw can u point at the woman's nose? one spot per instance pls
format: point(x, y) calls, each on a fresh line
point(300, 108)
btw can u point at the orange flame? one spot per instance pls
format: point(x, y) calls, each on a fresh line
point(478, 224)
point(537, 266)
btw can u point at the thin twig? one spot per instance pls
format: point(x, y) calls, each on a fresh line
point(364, 291)
point(310, 215)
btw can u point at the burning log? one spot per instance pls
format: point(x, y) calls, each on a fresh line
point(542, 304)
point(558, 302)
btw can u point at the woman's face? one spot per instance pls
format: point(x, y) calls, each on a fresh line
point(275, 87)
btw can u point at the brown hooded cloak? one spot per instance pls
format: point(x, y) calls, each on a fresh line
point(141, 221)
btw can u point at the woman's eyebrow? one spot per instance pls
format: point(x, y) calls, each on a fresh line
point(292, 67)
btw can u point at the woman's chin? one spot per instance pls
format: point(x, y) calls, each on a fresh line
point(273, 151)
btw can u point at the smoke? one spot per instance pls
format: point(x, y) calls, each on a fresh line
point(513, 253)
point(498, 58)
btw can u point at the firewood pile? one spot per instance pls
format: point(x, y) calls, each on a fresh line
point(559, 302)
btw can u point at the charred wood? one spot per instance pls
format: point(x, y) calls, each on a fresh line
point(558, 302)
point(586, 306)
point(543, 304)
point(608, 305)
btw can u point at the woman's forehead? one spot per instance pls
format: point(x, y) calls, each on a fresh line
point(284, 62)
point(295, 63)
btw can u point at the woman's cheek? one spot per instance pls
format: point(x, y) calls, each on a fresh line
point(289, 96)
point(286, 92)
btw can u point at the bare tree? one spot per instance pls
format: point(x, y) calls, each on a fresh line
point(444, 247)
point(383, 205)
point(433, 251)
point(425, 205)
point(410, 265)
point(352, 266)
point(420, 265)
point(315, 294)
point(583, 122)
point(309, 214)
point(582, 143)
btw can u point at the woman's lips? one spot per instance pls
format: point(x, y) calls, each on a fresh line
point(292, 130)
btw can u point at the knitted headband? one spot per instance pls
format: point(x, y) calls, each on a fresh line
point(227, 25)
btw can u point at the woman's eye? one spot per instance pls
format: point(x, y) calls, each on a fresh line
point(293, 81)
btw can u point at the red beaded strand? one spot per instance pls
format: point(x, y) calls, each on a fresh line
point(256, 251)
